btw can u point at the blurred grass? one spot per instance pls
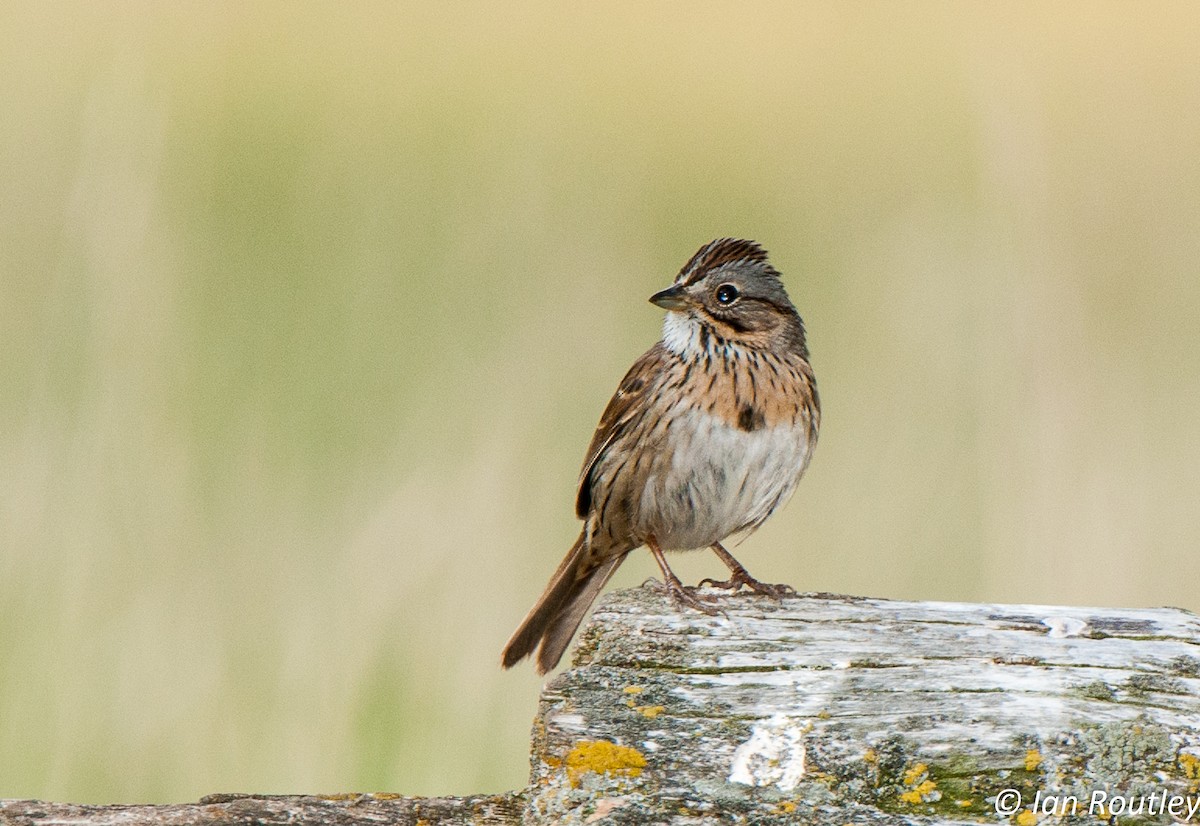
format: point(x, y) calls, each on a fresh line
point(307, 315)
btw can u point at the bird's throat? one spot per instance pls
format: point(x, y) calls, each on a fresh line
point(681, 334)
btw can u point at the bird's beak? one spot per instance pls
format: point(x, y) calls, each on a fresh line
point(672, 298)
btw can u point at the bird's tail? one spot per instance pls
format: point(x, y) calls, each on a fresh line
point(550, 624)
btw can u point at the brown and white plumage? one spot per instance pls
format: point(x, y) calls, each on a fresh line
point(708, 433)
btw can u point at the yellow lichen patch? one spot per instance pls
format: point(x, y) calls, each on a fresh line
point(650, 712)
point(1033, 759)
point(923, 790)
point(871, 756)
point(964, 804)
point(602, 757)
point(1190, 763)
point(342, 796)
point(633, 689)
point(785, 807)
point(387, 796)
point(1026, 818)
point(823, 715)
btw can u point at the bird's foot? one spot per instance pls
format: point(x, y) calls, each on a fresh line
point(682, 595)
point(741, 579)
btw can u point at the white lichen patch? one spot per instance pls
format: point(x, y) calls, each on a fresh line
point(773, 756)
point(1065, 626)
point(569, 722)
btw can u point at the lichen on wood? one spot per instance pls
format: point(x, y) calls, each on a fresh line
point(835, 709)
point(817, 709)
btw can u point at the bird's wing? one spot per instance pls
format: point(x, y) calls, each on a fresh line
point(623, 408)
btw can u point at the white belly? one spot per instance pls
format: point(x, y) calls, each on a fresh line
point(715, 480)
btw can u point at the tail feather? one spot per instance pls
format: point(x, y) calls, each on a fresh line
point(552, 622)
point(562, 628)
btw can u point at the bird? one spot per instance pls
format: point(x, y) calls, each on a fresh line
point(706, 436)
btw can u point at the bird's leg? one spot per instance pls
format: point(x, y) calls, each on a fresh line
point(739, 577)
point(671, 583)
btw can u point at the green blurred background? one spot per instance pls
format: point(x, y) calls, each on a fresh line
point(307, 313)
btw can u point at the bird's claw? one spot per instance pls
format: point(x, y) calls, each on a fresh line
point(737, 581)
point(682, 594)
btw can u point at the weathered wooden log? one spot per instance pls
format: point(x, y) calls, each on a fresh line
point(264, 810)
point(822, 709)
point(831, 709)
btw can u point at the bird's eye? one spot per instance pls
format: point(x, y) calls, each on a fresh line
point(727, 294)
